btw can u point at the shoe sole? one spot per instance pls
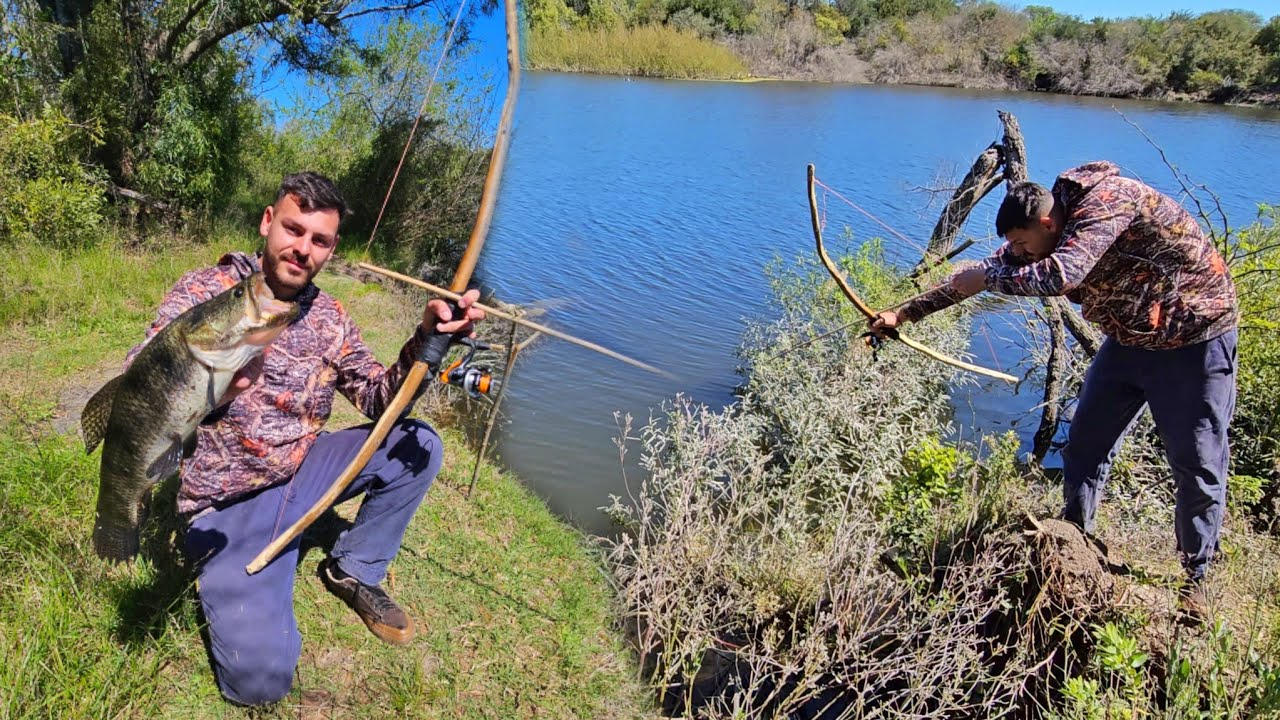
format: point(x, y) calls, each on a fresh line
point(390, 635)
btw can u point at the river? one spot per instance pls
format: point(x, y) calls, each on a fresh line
point(641, 213)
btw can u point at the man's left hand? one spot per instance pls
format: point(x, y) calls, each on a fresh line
point(970, 282)
point(438, 317)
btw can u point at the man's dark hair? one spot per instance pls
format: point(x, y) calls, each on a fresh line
point(1026, 203)
point(313, 191)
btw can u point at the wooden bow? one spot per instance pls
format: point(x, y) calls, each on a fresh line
point(870, 314)
point(462, 276)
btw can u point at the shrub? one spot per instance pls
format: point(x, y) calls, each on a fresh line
point(646, 50)
point(49, 195)
point(816, 550)
point(1255, 445)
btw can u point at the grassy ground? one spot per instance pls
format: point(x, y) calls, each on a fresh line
point(646, 51)
point(512, 607)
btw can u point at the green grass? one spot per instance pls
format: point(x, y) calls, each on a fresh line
point(512, 608)
point(646, 50)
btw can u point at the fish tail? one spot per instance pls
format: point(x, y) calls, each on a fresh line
point(114, 542)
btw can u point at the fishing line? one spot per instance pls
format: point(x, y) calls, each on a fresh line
point(426, 98)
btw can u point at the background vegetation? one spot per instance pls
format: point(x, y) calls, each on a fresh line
point(1226, 55)
point(152, 117)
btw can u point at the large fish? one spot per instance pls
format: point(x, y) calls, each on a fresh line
point(146, 418)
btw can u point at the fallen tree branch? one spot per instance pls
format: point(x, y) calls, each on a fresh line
point(1055, 371)
point(982, 178)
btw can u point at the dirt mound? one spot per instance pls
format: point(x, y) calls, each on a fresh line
point(1076, 583)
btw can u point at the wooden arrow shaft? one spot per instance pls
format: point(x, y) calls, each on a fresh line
point(517, 320)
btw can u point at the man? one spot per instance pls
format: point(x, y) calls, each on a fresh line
point(1141, 268)
point(261, 461)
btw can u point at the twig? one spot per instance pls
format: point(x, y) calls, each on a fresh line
point(925, 266)
point(513, 350)
point(1222, 241)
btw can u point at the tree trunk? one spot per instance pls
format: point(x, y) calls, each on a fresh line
point(983, 177)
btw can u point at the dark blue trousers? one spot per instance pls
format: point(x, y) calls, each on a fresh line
point(1192, 394)
point(254, 641)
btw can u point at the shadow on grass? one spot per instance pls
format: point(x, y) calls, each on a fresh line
point(150, 603)
point(471, 579)
point(148, 606)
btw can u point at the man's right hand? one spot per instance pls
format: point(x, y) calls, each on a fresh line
point(244, 379)
point(884, 321)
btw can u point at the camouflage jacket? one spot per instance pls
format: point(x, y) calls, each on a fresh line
point(260, 438)
point(1136, 262)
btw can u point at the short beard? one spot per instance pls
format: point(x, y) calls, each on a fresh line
point(274, 272)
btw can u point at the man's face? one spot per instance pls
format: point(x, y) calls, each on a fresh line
point(299, 243)
point(1037, 240)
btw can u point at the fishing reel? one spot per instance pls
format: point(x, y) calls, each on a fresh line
point(873, 341)
point(476, 381)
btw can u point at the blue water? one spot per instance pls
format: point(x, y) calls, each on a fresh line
point(642, 212)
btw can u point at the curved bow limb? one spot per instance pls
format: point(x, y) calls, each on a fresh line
point(462, 276)
point(870, 314)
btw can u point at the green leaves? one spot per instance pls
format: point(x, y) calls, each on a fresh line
point(49, 195)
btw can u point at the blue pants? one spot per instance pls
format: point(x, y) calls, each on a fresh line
point(254, 642)
point(1192, 395)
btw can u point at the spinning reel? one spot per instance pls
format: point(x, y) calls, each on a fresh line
point(477, 381)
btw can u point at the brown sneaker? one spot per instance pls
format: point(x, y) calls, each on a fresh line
point(378, 611)
point(1193, 605)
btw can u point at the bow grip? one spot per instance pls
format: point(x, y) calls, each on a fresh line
point(437, 345)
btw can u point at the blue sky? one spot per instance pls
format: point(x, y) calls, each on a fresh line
point(487, 56)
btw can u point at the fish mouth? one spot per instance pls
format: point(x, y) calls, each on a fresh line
point(266, 314)
point(266, 309)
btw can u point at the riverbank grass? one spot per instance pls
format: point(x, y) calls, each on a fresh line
point(511, 606)
point(644, 50)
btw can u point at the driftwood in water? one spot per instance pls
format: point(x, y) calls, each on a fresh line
point(1054, 373)
point(983, 177)
point(1006, 161)
point(1015, 172)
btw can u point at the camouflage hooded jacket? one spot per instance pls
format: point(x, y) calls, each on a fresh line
point(1136, 262)
point(260, 438)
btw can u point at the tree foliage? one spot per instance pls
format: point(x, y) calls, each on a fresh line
point(969, 43)
point(165, 83)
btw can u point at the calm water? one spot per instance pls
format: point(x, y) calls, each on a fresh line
point(643, 213)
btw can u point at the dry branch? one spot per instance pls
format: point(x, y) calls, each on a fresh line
point(983, 177)
point(1055, 371)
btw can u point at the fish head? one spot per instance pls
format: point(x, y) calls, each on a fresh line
point(228, 330)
